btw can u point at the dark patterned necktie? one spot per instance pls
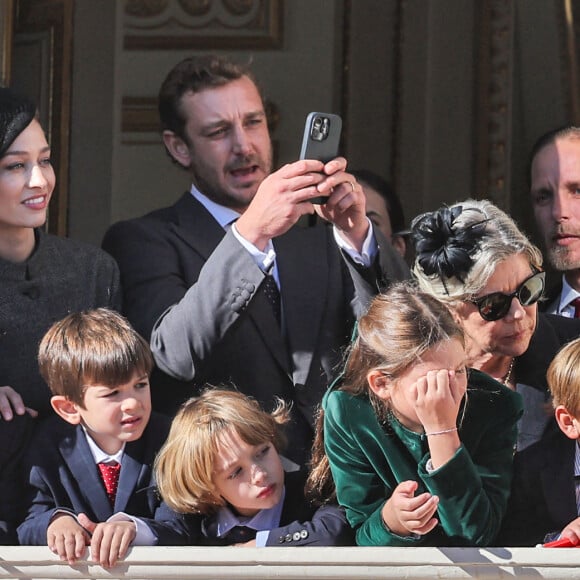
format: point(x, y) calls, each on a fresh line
point(110, 475)
point(576, 305)
point(272, 295)
point(240, 534)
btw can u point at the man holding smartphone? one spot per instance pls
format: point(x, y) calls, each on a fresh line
point(200, 277)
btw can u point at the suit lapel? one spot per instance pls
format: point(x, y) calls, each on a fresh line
point(303, 301)
point(80, 461)
point(196, 226)
point(132, 471)
point(551, 301)
point(303, 270)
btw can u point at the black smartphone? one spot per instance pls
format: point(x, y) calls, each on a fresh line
point(321, 140)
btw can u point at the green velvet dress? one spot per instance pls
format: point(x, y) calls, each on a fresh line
point(369, 459)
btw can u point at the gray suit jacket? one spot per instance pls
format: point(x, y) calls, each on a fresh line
point(196, 290)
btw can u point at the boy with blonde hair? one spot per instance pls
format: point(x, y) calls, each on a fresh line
point(90, 476)
point(545, 501)
point(221, 461)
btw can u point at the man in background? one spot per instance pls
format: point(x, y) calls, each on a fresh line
point(384, 209)
point(227, 286)
point(555, 192)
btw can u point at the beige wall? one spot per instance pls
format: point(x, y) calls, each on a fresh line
point(94, 119)
point(131, 174)
point(442, 97)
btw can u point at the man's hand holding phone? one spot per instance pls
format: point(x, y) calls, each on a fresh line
point(280, 201)
point(341, 199)
point(345, 205)
point(318, 178)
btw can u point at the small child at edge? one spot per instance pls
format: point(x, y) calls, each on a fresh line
point(545, 500)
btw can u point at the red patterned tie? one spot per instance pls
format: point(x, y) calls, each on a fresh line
point(576, 304)
point(110, 475)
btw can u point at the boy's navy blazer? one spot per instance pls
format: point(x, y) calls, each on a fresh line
point(62, 474)
point(543, 498)
point(301, 523)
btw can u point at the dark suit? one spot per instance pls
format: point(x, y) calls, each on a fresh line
point(14, 436)
point(220, 328)
point(543, 497)
point(301, 524)
point(551, 334)
point(63, 475)
point(551, 299)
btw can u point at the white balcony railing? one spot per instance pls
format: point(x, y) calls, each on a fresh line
point(39, 563)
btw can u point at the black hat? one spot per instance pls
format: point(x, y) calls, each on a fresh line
point(16, 113)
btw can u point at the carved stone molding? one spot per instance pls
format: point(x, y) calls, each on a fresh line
point(178, 24)
point(6, 11)
point(397, 114)
point(569, 22)
point(493, 178)
point(41, 68)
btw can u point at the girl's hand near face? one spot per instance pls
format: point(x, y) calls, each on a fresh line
point(439, 396)
point(404, 514)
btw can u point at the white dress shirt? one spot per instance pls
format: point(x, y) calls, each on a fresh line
point(568, 294)
point(266, 260)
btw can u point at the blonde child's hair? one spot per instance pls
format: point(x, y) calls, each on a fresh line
point(185, 466)
point(564, 377)
point(91, 347)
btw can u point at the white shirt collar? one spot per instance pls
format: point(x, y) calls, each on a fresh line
point(566, 296)
point(223, 215)
point(98, 454)
point(225, 519)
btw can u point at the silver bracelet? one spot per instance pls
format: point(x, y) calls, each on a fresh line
point(441, 432)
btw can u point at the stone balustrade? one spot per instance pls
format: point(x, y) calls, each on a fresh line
point(151, 563)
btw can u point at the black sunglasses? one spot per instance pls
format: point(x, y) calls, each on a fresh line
point(496, 305)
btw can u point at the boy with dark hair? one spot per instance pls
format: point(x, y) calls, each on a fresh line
point(91, 478)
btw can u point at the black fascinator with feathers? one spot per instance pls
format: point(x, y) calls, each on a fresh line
point(442, 248)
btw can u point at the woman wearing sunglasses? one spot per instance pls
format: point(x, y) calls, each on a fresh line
point(473, 257)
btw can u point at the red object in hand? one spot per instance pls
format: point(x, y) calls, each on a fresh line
point(562, 543)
